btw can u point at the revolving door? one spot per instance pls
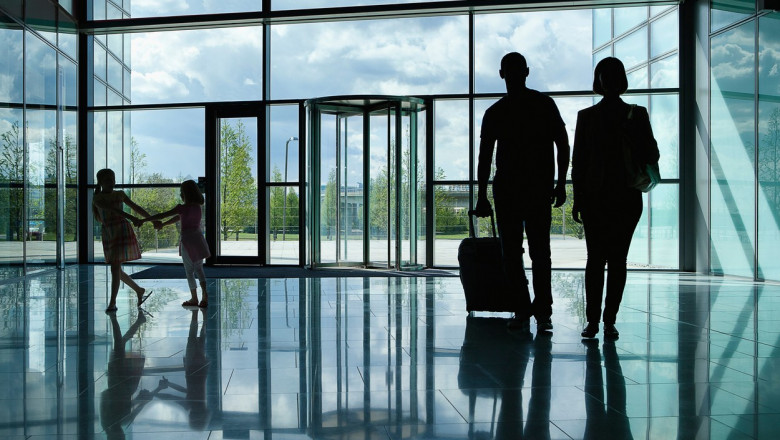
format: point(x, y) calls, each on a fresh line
point(366, 182)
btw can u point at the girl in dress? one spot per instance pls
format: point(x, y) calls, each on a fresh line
point(119, 241)
point(192, 244)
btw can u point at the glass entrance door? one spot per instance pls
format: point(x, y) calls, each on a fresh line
point(234, 202)
point(341, 218)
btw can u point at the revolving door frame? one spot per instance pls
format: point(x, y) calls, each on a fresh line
point(396, 108)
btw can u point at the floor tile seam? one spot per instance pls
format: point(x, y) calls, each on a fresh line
point(455, 408)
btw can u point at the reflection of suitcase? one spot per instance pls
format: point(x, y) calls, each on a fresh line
point(482, 274)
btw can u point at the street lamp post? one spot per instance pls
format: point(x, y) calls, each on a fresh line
point(284, 208)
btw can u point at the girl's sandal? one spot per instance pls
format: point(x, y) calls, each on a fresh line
point(190, 303)
point(203, 304)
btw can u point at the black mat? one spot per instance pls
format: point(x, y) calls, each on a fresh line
point(174, 271)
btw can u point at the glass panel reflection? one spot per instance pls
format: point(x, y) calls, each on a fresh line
point(11, 192)
point(733, 152)
point(769, 149)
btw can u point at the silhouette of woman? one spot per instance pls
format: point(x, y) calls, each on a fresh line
point(608, 208)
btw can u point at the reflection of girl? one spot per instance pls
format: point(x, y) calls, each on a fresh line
point(192, 247)
point(117, 407)
point(119, 242)
point(195, 371)
point(607, 207)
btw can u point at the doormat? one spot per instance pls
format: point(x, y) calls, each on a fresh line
point(174, 271)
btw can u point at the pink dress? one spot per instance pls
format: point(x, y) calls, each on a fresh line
point(192, 238)
point(118, 237)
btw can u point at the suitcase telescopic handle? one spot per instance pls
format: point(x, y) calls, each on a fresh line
point(473, 214)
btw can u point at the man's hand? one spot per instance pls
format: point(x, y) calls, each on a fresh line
point(576, 214)
point(559, 196)
point(483, 208)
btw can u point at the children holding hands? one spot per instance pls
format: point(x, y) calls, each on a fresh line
point(192, 245)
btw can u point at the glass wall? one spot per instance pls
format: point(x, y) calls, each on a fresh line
point(38, 139)
point(745, 110)
point(425, 56)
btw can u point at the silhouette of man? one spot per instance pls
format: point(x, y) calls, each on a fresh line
point(525, 124)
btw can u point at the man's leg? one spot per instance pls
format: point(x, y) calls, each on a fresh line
point(510, 231)
point(537, 227)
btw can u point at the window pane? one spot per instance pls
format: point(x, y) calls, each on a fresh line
point(390, 57)
point(480, 107)
point(665, 120)
point(40, 71)
point(71, 155)
point(41, 191)
point(664, 226)
point(283, 236)
point(451, 151)
point(663, 33)
point(451, 219)
point(285, 146)
point(632, 49)
point(11, 69)
point(11, 191)
point(602, 26)
point(665, 73)
point(158, 135)
point(638, 78)
point(99, 59)
point(298, 4)
point(725, 12)
point(733, 151)
point(628, 18)
point(152, 8)
point(544, 38)
point(639, 252)
point(200, 65)
point(769, 149)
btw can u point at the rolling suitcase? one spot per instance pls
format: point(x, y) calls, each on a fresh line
point(482, 272)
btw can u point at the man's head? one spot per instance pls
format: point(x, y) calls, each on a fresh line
point(514, 71)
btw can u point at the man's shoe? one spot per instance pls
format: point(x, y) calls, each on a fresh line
point(544, 325)
point(610, 331)
point(590, 330)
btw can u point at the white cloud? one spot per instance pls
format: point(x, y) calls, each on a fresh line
point(146, 8)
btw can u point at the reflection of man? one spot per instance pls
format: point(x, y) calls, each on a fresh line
point(611, 421)
point(525, 123)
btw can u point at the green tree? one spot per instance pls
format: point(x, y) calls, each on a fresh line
point(237, 186)
point(12, 176)
point(156, 200)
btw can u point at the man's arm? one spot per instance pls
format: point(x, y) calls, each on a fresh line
point(562, 145)
point(486, 146)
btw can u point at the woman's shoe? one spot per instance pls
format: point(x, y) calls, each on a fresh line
point(610, 331)
point(590, 330)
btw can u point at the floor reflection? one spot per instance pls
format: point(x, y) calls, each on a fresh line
point(384, 358)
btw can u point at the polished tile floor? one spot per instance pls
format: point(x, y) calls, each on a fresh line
point(384, 358)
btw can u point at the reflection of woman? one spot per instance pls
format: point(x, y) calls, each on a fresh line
point(195, 371)
point(603, 202)
point(612, 421)
point(117, 406)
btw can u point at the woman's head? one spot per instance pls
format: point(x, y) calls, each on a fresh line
point(106, 178)
point(190, 192)
point(609, 78)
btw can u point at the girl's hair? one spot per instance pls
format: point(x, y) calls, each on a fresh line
point(102, 175)
point(191, 193)
point(614, 68)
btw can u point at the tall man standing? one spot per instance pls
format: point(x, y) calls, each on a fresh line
point(526, 124)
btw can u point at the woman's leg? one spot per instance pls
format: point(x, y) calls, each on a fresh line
point(595, 242)
point(624, 225)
